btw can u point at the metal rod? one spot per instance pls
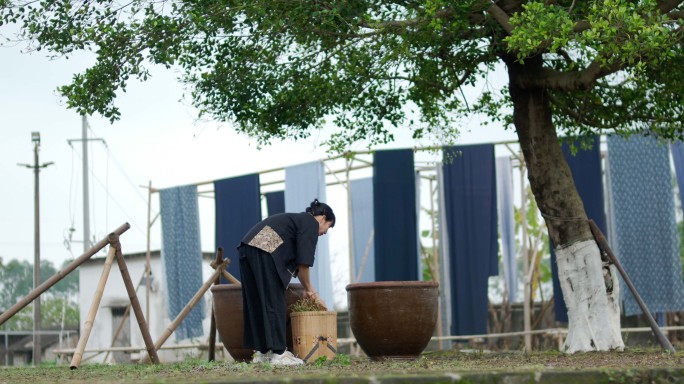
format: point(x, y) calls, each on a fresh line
point(67, 351)
point(90, 319)
point(59, 276)
point(135, 304)
point(604, 247)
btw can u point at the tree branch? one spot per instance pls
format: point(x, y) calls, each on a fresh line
point(394, 24)
point(501, 17)
point(577, 116)
point(666, 6)
point(675, 15)
point(567, 81)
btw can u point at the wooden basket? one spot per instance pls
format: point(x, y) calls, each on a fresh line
point(314, 334)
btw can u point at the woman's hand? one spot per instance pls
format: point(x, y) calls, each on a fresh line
point(313, 295)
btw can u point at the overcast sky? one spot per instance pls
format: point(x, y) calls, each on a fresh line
point(157, 140)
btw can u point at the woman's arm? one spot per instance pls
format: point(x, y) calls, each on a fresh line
point(304, 276)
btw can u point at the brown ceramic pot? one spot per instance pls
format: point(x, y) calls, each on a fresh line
point(393, 319)
point(230, 323)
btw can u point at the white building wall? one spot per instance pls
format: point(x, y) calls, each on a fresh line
point(115, 295)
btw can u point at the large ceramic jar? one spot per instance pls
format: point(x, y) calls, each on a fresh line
point(393, 319)
point(229, 319)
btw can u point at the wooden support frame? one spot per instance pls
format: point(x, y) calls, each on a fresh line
point(135, 304)
point(212, 327)
point(188, 307)
point(88, 325)
point(114, 253)
point(59, 275)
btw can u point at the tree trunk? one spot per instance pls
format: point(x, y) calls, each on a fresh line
point(593, 310)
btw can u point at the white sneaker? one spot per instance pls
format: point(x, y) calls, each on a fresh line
point(286, 358)
point(262, 357)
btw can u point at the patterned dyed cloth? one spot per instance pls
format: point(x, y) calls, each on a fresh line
point(182, 256)
point(646, 241)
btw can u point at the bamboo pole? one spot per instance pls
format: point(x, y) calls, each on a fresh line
point(604, 247)
point(88, 325)
point(127, 313)
point(135, 304)
point(148, 255)
point(191, 304)
point(526, 259)
point(231, 278)
point(212, 327)
point(58, 276)
point(435, 258)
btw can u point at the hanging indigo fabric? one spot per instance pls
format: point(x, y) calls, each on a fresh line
point(678, 157)
point(182, 256)
point(303, 184)
point(275, 202)
point(362, 230)
point(646, 240)
point(394, 205)
point(470, 189)
point(504, 201)
point(238, 208)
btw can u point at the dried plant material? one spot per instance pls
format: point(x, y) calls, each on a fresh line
point(307, 304)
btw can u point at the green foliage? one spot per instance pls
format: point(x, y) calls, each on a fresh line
point(341, 359)
point(16, 282)
point(621, 31)
point(320, 361)
point(539, 26)
point(279, 70)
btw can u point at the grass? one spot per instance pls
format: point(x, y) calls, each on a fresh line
point(343, 366)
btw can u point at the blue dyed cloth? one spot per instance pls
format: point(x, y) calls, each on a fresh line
point(505, 206)
point(182, 256)
point(585, 166)
point(470, 197)
point(394, 204)
point(362, 230)
point(303, 184)
point(646, 242)
point(678, 158)
point(275, 202)
point(238, 207)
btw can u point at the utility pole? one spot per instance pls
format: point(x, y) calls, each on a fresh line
point(86, 194)
point(35, 138)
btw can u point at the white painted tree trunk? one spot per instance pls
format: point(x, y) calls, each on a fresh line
point(593, 312)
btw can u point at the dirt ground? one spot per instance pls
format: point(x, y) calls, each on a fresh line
point(452, 362)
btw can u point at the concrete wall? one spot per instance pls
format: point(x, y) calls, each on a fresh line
point(115, 295)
